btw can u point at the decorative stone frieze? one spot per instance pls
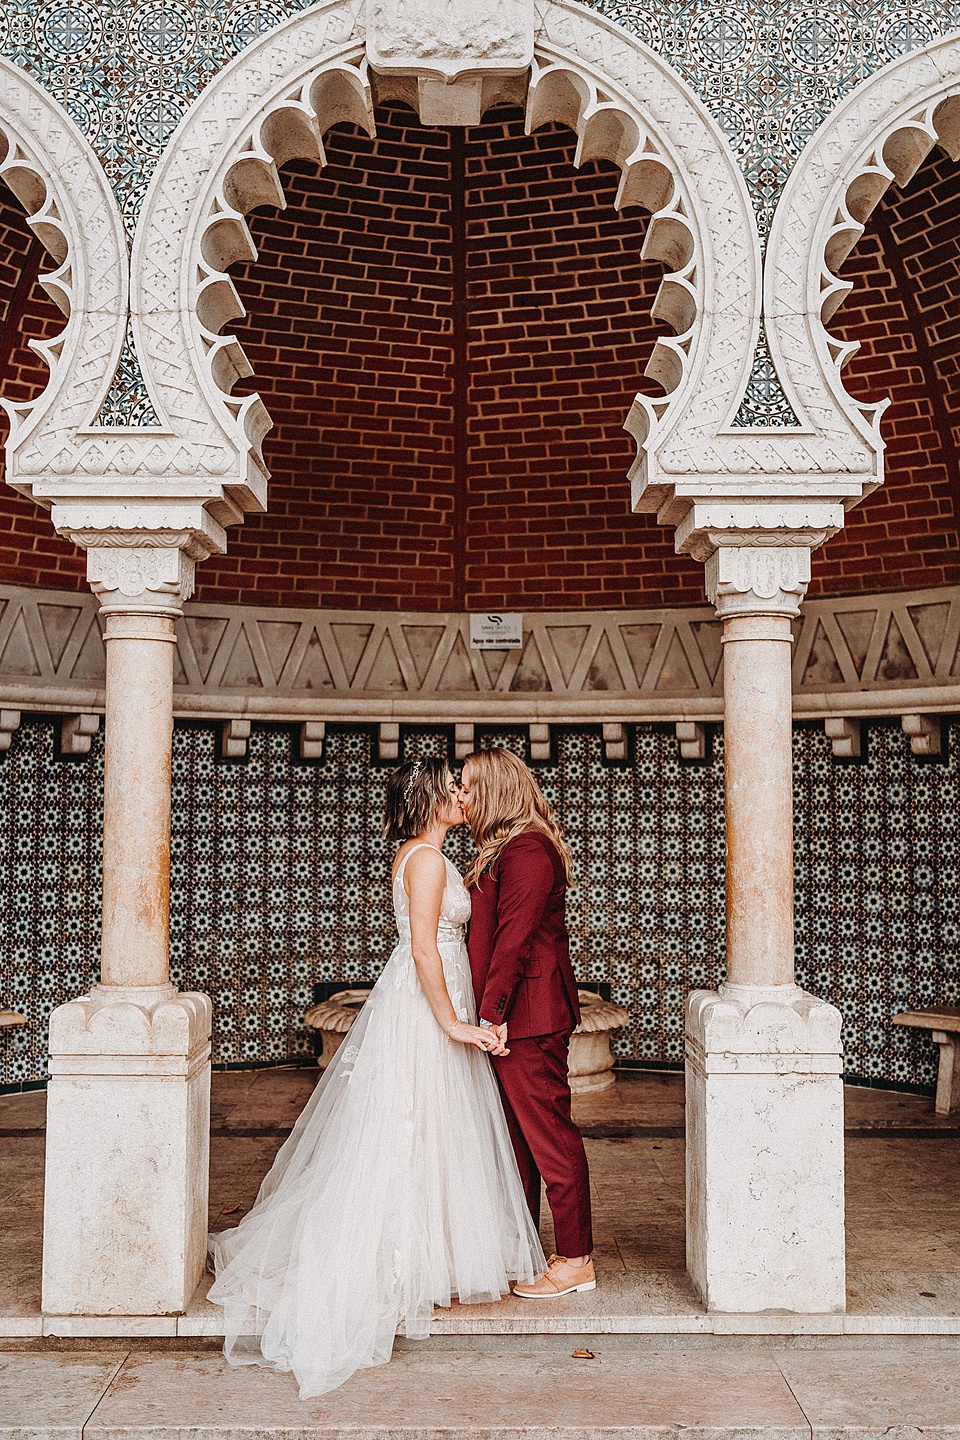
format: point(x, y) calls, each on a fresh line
point(857, 656)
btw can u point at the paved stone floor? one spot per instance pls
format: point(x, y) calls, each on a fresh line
point(510, 1388)
point(903, 1215)
point(658, 1365)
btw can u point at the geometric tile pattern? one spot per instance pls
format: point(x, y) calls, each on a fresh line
point(771, 71)
point(764, 402)
point(279, 881)
point(768, 71)
point(877, 857)
point(338, 664)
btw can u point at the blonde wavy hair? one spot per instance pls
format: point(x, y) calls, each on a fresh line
point(506, 802)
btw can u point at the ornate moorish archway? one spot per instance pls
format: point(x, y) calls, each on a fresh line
point(57, 178)
point(625, 104)
point(878, 136)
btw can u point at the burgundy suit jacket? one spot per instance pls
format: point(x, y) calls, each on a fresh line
point(518, 943)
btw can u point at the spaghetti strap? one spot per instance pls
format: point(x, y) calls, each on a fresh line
point(423, 845)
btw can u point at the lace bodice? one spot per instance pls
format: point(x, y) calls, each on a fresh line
point(454, 910)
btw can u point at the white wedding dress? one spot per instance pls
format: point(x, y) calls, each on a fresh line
point(397, 1190)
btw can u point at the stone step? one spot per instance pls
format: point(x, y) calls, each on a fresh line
point(435, 1390)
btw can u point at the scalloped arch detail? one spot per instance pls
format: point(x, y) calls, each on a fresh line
point(54, 174)
point(880, 134)
point(276, 100)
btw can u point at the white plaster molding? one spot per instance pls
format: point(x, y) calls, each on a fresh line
point(54, 173)
point(881, 132)
point(677, 162)
point(435, 38)
point(275, 100)
point(267, 106)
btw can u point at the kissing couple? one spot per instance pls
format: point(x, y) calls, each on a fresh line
point(413, 1175)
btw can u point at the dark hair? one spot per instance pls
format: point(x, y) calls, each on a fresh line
point(416, 791)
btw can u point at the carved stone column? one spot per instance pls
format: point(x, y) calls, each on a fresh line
point(765, 1224)
point(128, 1103)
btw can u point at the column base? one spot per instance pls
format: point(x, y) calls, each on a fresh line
point(127, 1158)
point(765, 1203)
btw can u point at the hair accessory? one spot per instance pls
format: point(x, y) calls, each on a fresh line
point(417, 767)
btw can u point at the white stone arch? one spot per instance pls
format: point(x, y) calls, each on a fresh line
point(276, 100)
point(52, 170)
point(880, 133)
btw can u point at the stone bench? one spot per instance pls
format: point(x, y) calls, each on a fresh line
point(944, 1024)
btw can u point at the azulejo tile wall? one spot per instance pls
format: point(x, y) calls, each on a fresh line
point(769, 71)
point(279, 881)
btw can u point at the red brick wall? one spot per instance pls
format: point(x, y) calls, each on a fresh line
point(905, 311)
point(401, 480)
point(355, 355)
point(31, 553)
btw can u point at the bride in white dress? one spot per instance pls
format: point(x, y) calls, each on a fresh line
point(397, 1189)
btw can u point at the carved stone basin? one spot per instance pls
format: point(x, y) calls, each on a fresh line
point(332, 1019)
point(590, 1064)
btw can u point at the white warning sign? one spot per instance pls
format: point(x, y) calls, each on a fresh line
point(496, 632)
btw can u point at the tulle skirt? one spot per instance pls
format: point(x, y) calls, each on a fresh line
point(397, 1191)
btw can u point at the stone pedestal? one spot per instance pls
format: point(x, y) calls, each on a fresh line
point(765, 1150)
point(764, 1096)
point(127, 1158)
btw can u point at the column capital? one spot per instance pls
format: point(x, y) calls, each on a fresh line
point(756, 551)
point(757, 579)
point(140, 578)
point(141, 557)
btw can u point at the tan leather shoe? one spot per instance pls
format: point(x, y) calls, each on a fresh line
point(562, 1278)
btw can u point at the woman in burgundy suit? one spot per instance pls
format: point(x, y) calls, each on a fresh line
point(525, 989)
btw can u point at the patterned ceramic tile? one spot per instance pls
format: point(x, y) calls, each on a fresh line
point(279, 881)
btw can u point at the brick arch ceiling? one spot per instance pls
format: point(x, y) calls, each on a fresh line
point(448, 330)
point(905, 312)
point(395, 487)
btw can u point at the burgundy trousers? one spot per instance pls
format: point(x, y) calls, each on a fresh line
point(536, 1100)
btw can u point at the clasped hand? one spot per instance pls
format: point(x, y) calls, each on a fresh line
point(491, 1038)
